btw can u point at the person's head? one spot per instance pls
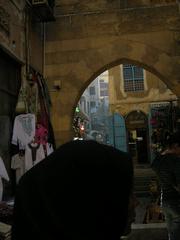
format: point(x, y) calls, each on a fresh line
point(99, 184)
point(173, 142)
point(84, 189)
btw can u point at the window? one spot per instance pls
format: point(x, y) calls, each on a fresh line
point(102, 84)
point(88, 107)
point(92, 104)
point(133, 78)
point(92, 91)
point(104, 93)
point(84, 105)
point(103, 88)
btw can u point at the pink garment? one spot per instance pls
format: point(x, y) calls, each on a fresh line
point(153, 121)
point(41, 134)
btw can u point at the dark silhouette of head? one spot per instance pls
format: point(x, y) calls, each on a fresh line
point(81, 191)
point(173, 139)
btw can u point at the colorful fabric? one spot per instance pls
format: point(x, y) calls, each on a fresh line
point(41, 134)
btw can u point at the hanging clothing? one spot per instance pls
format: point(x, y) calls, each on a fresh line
point(34, 153)
point(23, 130)
point(4, 175)
point(18, 164)
point(41, 134)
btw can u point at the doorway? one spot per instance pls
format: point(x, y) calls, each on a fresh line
point(137, 135)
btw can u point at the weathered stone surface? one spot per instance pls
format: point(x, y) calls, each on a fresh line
point(89, 37)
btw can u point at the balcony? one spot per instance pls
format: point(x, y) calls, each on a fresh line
point(43, 10)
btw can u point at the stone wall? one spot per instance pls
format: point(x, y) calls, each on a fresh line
point(76, 6)
point(11, 27)
point(89, 37)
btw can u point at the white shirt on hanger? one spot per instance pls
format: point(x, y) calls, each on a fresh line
point(17, 163)
point(39, 155)
point(23, 130)
point(4, 175)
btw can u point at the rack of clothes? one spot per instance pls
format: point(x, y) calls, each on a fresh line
point(32, 136)
point(30, 140)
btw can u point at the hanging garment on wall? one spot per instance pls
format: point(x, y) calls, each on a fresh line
point(34, 153)
point(41, 134)
point(18, 164)
point(4, 175)
point(23, 130)
point(45, 105)
point(44, 94)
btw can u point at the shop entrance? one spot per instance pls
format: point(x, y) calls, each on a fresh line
point(137, 134)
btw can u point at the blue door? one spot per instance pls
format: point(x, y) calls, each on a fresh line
point(117, 132)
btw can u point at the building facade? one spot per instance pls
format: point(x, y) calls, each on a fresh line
point(94, 108)
point(146, 106)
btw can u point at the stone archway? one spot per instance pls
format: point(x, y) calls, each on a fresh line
point(96, 60)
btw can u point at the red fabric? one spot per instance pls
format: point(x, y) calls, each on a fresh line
point(41, 134)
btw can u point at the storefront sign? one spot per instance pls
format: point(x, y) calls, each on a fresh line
point(136, 119)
